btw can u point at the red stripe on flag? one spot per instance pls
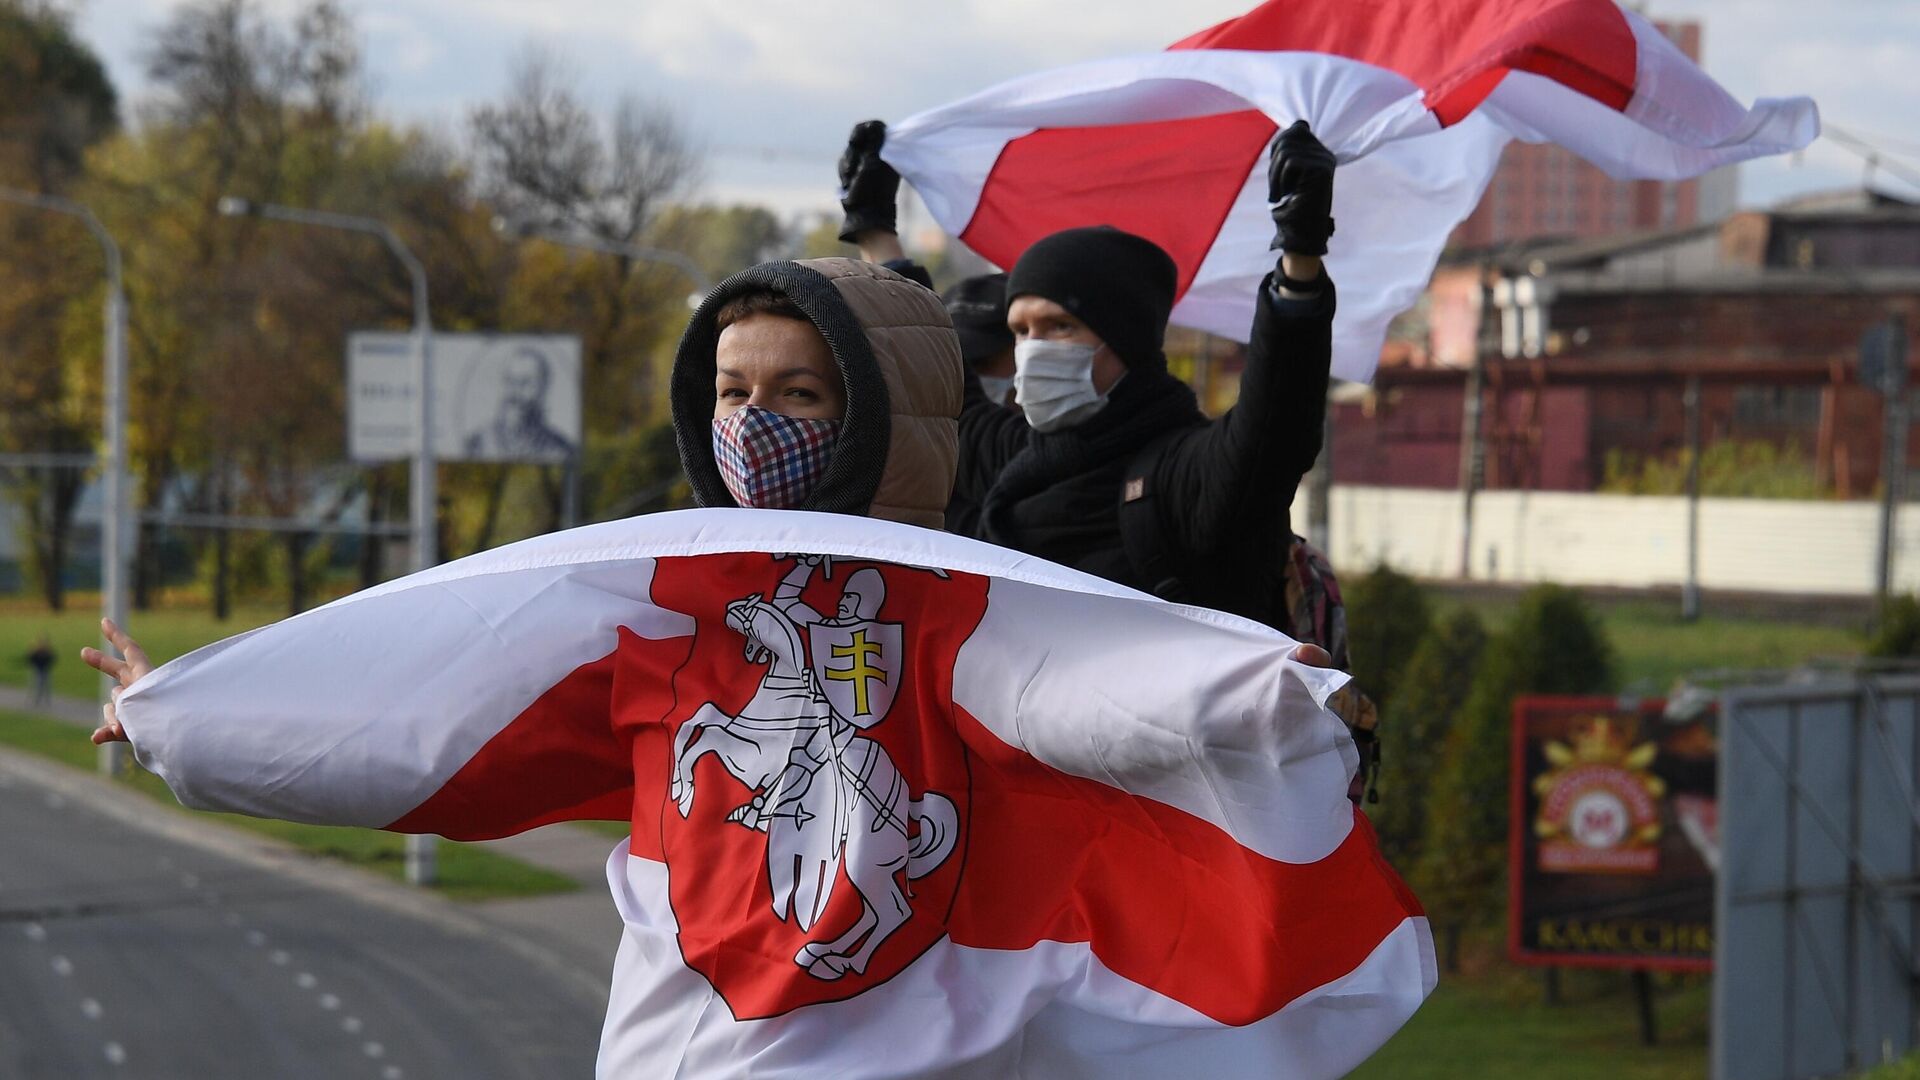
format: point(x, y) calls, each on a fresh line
point(560, 760)
point(1176, 195)
point(1164, 898)
point(1455, 50)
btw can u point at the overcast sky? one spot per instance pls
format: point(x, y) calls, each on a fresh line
point(771, 86)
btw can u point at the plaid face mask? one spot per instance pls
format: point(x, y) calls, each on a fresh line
point(770, 460)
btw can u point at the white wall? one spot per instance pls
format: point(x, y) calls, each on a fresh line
point(1749, 545)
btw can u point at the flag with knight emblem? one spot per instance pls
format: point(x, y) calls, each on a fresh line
point(902, 804)
point(1418, 98)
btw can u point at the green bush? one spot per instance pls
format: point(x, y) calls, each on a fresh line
point(1897, 630)
point(1554, 645)
point(1748, 468)
point(1387, 616)
point(1425, 708)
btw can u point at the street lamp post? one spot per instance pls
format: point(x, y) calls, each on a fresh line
point(420, 848)
point(114, 546)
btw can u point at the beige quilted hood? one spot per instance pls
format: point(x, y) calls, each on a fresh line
point(900, 360)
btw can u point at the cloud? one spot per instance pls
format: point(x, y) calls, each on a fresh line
point(774, 85)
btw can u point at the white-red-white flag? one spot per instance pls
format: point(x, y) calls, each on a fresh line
point(1416, 97)
point(906, 805)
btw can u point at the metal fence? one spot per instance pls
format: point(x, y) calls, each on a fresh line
point(1817, 951)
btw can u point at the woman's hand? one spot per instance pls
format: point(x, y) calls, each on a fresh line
point(1312, 655)
point(125, 672)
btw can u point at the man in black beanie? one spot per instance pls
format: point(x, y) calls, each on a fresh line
point(1110, 466)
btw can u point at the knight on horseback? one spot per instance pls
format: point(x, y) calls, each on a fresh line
point(824, 793)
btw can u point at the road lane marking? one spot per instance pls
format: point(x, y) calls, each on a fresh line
point(392, 1072)
point(351, 1025)
point(279, 957)
point(191, 881)
point(305, 980)
point(116, 1054)
point(36, 932)
point(62, 966)
point(256, 938)
point(329, 1002)
point(374, 1049)
point(90, 1009)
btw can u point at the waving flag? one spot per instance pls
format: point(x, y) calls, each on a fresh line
point(906, 804)
point(1416, 97)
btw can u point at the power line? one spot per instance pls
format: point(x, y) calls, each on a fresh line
point(1900, 143)
point(1875, 156)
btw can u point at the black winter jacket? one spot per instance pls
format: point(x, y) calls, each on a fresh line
point(1219, 490)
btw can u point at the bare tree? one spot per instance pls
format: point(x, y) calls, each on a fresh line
point(545, 159)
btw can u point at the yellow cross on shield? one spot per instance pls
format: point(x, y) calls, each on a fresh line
point(857, 667)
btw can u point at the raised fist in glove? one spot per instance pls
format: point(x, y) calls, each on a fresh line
point(868, 186)
point(1300, 187)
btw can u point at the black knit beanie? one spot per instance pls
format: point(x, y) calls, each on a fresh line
point(1119, 284)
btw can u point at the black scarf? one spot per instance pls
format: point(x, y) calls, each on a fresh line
point(1142, 406)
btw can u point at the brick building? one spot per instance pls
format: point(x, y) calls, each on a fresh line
point(1766, 309)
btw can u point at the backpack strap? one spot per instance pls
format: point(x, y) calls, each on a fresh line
point(1141, 534)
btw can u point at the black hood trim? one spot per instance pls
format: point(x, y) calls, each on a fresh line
point(859, 454)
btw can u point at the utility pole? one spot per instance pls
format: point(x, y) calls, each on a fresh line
point(1472, 450)
point(114, 518)
point(1893, 458)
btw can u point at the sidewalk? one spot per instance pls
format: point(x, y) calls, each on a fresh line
point(581, 927)
point(74, 710)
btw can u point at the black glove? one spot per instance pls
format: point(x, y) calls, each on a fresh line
point(868, 186)
point(1300, 187)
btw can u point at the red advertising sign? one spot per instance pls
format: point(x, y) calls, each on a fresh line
point(1614, 835)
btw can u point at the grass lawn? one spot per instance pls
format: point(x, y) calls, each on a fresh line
point(1654, 646)
point(164, 633)
point(1496, 1026)
point(466, 872)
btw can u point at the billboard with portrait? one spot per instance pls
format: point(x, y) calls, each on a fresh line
point(497, 397)
point(1615, 838)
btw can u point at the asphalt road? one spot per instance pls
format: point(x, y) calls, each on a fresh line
point(127, 952)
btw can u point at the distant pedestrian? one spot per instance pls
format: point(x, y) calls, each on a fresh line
point(41, 661)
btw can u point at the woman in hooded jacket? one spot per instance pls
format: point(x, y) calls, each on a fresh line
point(826, 384)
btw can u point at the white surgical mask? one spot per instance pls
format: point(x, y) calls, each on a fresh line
point(1053, 383)
point(999, 388)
